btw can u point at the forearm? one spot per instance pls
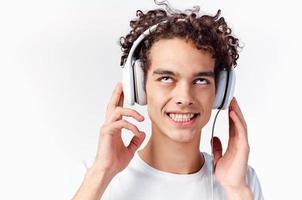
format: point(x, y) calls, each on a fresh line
point(243, 193)
point(93, 185)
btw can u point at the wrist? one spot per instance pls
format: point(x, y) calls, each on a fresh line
point(94, 184)
point(241, 193)
point(97, 177)
point(97, 172)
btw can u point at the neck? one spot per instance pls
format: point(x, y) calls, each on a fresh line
point(167, 155)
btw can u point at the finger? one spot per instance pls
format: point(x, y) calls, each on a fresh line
point(136, 142)
point(116, 98)
point(217, 149)
point(232, 130)
point(235, 106)
point(119, 112)
point(237, 128)
point(239, 143)
point(121, 100)
point(118, 125)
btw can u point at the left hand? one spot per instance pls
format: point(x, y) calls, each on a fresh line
point(231, 168)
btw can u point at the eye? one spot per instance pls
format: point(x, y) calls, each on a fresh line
point(165, 79)
point(202, 81)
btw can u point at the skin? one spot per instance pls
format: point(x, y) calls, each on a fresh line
point(171, 149)
point(174, 149)
point(182, 92)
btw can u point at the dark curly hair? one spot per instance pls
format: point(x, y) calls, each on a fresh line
point(210, 33)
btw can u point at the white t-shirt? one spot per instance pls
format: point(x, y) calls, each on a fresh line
point(140, 181)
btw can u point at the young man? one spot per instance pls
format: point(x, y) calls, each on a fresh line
point(180, 59)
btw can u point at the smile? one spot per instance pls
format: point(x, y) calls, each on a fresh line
point(182, 117)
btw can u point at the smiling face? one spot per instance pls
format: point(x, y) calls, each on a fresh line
point(180, 89)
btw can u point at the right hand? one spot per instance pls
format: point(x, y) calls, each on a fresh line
point(112, 155)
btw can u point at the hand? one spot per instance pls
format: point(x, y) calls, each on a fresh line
point(112, 155)
point(231, 168)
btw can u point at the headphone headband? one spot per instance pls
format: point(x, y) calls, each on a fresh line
point(133, 78)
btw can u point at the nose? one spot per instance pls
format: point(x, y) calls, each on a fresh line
point(184, 95)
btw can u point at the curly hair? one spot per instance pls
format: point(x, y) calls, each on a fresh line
point(209, 33)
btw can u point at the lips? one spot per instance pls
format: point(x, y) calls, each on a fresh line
point(182, 117)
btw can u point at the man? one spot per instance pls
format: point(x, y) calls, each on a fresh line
point(181, 59)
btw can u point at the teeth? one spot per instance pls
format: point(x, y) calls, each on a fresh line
point(181, 117)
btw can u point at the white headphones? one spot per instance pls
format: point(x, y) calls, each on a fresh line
point(133, 79)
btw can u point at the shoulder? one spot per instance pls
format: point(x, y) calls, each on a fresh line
point(254, 183)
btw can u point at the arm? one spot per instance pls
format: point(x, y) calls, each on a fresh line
point(112, 155)
point(94, 184)
point(231, 168)
point(243, 193)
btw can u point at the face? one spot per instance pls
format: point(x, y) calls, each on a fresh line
point(180, 89)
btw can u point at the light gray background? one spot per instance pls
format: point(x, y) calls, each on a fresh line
point(59, 62)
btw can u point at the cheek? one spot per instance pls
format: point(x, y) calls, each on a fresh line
point(211, 97)
point(155, 94)
point(153, 103)
point(206, 99)
point(156, 100)
point(151, 98)
point(210, 102)
point(206, 95)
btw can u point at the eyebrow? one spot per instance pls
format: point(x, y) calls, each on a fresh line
point(168, 72)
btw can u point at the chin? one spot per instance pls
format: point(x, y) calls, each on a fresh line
point(182, 136)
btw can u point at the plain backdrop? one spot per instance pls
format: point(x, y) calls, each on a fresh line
point(59, 62)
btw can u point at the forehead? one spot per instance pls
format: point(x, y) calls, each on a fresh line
point(180, 56)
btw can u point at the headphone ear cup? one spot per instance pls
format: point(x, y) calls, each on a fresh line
point(225, 86)
point(140, 94)
point(230, 90)
point(128, 83)
point(221, 81)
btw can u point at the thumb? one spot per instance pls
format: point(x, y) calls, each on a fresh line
point(136, 142)
point(217, 149)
